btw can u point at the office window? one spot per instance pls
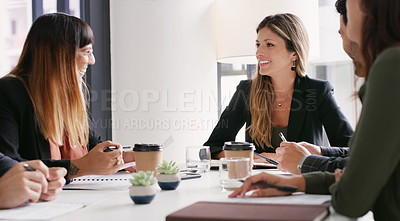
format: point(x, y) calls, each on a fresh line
point(49, 6)
point(16, 19)
point(15, 22)
point(229, 76)
point(75, 8)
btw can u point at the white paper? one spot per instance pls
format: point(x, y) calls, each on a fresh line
point(39, 211)
point(296, 198)
point(66, 202)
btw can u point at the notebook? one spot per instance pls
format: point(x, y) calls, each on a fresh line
point(118, 180)
point(223, 211)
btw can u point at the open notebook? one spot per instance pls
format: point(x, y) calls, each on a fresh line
point(118, 180)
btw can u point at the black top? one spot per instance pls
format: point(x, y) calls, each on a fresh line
point(313, 107)
point(276, 139)
point(20, 136)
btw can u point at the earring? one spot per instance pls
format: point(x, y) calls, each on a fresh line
point(293, 68)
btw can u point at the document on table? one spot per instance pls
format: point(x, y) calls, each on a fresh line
point(296, 198)
point(118, 180)
point(66, 202)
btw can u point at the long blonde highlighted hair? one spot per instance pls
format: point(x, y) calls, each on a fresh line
point(48, 69)
point(290, 28)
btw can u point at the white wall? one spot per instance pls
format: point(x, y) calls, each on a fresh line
point(164, 72)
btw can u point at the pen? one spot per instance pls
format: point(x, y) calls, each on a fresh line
point(111, 148)
point(282, 137)
point(278, 187)
point(27, 167)
point(267, 159)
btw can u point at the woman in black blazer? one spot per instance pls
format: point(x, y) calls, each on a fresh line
point(42, 106)
point(280, 97)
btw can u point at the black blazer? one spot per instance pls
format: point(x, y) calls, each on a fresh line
point(313, 108)
point(20, 136)
point(5, 164)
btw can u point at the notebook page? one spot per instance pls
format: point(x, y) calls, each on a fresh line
point(295, 198)
point(118, 180)
point(66, 202)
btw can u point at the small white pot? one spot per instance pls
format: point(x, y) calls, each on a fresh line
point(142, 194)
point(168, 181)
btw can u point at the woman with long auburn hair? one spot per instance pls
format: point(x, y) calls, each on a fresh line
point(370, 181)
point(43, 111)
point(281, 97)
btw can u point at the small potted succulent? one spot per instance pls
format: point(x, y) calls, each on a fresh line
point(143, 189)
point(168, 179)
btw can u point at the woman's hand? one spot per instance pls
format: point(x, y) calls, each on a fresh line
point(289, 154)
point(98, 162)
point(339, 174)
point(313, 149)
point(19, 185)
point(55, 183)
point(296, 181)
point(129, 156)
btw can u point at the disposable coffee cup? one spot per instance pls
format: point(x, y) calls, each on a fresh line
point(239, 149)
point(148, 157)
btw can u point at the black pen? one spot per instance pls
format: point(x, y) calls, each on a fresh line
point(282, 137)
point(278, 187)
point(271, 161)
point(111, 148)
point(27, 167)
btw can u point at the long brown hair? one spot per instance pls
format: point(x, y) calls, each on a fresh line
point(290, 28)
point(47, 68)
point(381, 28)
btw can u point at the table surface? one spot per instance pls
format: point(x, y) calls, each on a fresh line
point(117, 205)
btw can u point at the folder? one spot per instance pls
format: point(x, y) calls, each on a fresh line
point(223, 211)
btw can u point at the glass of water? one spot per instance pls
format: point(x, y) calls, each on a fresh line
point(198, 158)
point(232, 170)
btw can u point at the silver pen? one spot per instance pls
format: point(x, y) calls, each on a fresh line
point(27, 167)
point(282, 137)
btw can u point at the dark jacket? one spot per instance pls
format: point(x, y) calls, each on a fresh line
point(313, 108)
point(332, 158)
point(5, 164)
point(371, 180)
point(20, 136)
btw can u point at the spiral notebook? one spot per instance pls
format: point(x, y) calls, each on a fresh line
point(118, 180)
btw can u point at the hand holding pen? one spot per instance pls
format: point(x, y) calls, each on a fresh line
point(278, 187)
point(266, 184)
point(289, 154)
point(22, 183)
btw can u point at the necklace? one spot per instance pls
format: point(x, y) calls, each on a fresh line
point(282, 103)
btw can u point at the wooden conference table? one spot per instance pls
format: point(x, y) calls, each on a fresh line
point(116, 205)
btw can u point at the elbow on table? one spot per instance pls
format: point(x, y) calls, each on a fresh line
point(352, 210)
